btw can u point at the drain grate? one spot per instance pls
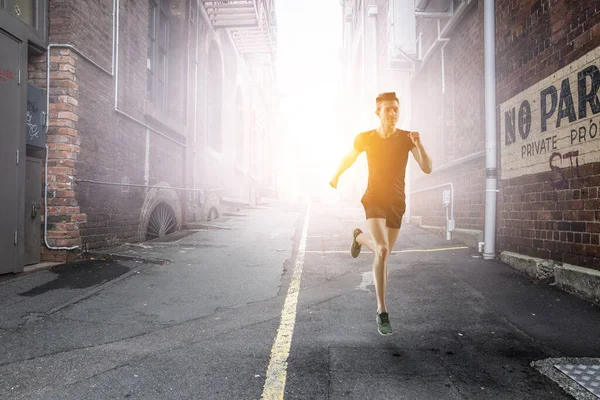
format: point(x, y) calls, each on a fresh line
point(587, 376)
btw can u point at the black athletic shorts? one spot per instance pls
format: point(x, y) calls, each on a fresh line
point(392, 213)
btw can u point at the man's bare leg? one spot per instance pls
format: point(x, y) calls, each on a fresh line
point(380, 244)
point(392, 237)
point(365, 240)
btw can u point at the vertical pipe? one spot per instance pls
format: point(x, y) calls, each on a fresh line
point(116, 47)
point(363, 63)
point(443, 99)
point(491, 171)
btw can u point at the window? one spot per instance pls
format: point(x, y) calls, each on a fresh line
point(33, 13)
point(157, 65)
point(22, 9)
point(215, 97)
point(239, 129)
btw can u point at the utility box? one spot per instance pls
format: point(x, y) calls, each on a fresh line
point(446, 198)
point(35, 117)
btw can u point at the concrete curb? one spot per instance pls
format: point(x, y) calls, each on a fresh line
point(126, 257)
point(534, 267)
point(582, 282)
point(193, 225)
point(470, 237)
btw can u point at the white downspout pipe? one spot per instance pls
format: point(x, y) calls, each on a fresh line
point(491, 170)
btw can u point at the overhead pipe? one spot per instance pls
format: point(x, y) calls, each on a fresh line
point(444, 32)
point(437, 14)
point(491, 168)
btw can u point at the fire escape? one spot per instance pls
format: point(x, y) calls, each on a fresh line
point(251, 23)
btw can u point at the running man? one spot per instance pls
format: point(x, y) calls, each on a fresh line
point(387, 151)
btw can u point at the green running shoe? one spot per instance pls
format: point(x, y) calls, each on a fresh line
point(355, 248)
point(383, 324)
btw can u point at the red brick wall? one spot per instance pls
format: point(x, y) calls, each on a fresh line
point(552, 214)
point(90, 141)
point(451, 123)
point(114, 147)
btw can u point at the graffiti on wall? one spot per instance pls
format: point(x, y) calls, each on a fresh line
point(6, 75)
point(553, 124)
point(32, 129)
point(561, 163)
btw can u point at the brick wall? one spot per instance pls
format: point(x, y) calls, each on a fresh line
point(451, 122)
point(549, 203)
point(114, 147)
point(89, 141)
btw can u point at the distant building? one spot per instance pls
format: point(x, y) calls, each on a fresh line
point(160, 113)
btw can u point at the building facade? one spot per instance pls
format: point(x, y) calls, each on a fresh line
point(370, 66)
point(547, 102)
point(156, 113)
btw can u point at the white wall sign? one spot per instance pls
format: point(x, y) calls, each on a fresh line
point(554, 124)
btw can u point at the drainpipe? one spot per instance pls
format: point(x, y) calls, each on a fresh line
point(372, 13)
point(443, 95)
point(363, 86)
point(196, 81)
point(491, 171)
point(460, 10)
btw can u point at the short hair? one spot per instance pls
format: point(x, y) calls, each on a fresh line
point(387, 96)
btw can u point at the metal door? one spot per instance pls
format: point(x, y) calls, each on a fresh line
point(10, 132)
point(33, 200)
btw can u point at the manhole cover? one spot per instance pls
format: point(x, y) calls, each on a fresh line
point(587, 376)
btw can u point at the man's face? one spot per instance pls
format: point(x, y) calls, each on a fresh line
point(389, 112)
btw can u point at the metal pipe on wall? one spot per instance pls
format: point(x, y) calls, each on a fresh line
point(460, 10)
point(449, 222)
point(491, 170)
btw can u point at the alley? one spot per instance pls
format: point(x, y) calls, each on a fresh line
point(195, 316)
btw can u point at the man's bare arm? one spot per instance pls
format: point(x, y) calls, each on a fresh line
point(420, 154)
point(346, 163)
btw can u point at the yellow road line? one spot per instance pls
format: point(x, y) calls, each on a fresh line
point(274, 387)
point(428, 250)
point(393, 252)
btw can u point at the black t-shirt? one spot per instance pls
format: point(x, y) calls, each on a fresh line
point(387, 160)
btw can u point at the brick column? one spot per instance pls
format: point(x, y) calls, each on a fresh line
point(64, 215)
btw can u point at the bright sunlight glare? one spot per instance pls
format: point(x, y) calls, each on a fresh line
point(309, 75)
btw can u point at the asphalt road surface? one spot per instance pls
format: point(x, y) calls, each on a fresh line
point(269, 303)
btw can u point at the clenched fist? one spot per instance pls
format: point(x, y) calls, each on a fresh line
point(333, 182)
point(414, 137)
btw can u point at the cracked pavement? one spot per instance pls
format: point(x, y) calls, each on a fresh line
point(194, 317)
